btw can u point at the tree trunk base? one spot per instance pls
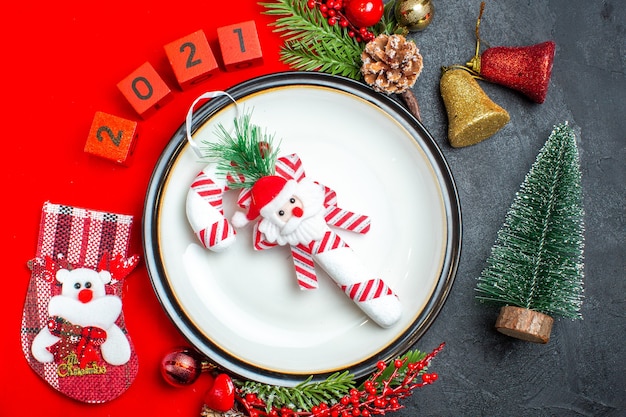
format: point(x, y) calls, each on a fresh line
point(524, 324)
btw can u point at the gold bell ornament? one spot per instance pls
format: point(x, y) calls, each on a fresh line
point(472, 116)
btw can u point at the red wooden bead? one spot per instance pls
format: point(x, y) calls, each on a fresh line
point(145, 90)
point(240, 45)
point(192, 59)
point(112, 137)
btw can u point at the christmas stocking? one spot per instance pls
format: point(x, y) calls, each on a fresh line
point(73, 332)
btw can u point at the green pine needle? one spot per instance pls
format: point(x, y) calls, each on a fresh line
point(330, 60)
point(307, 394)
point(537, 260)
point(244, 152)
point(303, 396)
point(311, 43)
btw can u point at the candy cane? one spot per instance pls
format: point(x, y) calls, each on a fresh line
point(204, 204)
point(205, 210)
point(370, 294)
point(347, 220)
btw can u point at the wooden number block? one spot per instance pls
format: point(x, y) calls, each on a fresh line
point(191, 59)
point(240, 46)
point(112, 137)
point(145, 90)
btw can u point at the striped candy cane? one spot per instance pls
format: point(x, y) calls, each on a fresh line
point(205, 210)
point(347, 220)
point(370, 294)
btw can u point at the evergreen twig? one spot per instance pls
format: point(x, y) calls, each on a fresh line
point(338, 394)
point(248, 152)
point(303, 396)
point(311, 43)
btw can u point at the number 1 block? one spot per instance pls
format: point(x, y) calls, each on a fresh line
point(191, 59)
point(112, 137)
point(145, 90)
point(240, 46)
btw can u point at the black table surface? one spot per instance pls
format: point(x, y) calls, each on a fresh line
point(582, 370)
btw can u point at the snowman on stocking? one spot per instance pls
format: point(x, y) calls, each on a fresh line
point(286, 208)
point(82, 323)
point(73, 331)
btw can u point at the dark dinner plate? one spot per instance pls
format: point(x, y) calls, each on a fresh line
point(242, 308)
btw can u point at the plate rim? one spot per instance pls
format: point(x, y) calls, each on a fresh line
point(174, 147)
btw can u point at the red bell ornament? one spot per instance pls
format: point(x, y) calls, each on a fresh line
point(526, 69)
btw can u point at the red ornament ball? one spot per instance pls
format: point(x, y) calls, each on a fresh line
point(181, 367)
point(364, 13)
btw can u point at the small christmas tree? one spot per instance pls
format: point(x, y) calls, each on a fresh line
point(535, 269)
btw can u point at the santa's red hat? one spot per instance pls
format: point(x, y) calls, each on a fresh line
point(267, 195)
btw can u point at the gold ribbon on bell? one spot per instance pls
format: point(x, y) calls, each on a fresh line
point(472, 116)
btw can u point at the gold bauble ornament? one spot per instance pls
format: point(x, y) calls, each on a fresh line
point(414, 15)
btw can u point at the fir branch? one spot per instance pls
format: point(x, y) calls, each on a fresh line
point(331, 60)
point(249, 152)
point(311, 43)
point(298, 22)
point(303, 396)
point(337, 395)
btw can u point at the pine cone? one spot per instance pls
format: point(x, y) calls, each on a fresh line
point(391, 63)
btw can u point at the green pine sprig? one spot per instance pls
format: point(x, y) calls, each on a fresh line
point(311, 43)
point(249, 152)
point(394, 379)
point(325, 58)
point(537, 259)
point(303, 396)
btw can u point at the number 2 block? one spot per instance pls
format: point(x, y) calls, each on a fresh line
point(112, 137)
point(145, 90)
point(191, 59)
point(240, 46)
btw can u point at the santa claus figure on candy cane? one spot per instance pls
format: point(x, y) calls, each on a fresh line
point(286, 208)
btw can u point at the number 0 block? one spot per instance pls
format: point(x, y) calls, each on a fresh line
point(112, 137)
point(240, 46)
point(145, 90)
point(191, 59)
